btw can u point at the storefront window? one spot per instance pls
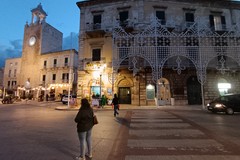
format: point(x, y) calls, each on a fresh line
point(223, 88)
point(95, 91)
point(150, 91)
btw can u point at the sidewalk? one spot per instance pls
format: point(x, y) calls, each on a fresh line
point(64, 107)
point(129, 106)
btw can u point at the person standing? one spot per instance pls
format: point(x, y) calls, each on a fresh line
point(47, 96)
point(84, 120)
point(103, 101)
point(115, 103)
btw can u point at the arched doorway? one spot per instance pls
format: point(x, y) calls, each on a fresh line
point(124, 91)
point(124, 95)
point(194, 91)
point(164, 95)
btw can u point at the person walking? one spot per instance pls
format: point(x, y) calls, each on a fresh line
point(115, 103)
point(84, 120)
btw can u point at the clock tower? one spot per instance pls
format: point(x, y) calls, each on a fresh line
point(39, 38)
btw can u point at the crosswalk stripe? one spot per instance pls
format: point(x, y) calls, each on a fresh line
point(169, 143)
point(155, 120)
point(166, 132)
point(160, 125)
point(160, 135)
point(184, 157)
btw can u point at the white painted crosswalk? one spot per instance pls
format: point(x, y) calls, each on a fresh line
point(184, 157)
point(160, 135)
point(179, 132)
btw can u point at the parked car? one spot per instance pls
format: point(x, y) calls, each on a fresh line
point(65, 98)
point(228, 103)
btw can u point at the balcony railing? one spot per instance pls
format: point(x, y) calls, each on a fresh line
point(162, 21)
point(220, 27)
point(188, 24)
point(65, 80)
point(93, 27)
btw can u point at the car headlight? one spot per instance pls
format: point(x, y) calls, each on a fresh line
point(208, 105)
point(218, 105)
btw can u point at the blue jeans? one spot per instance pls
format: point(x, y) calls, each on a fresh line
point(115, 109)
point(85, 139)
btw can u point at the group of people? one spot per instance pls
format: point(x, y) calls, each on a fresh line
point(101, 102)
point(85, 123)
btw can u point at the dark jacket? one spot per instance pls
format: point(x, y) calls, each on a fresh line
point(84, 119)
point(115, 101)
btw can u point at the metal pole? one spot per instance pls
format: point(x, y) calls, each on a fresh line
point(112, 83)
point(69, 85)
point(200, 59)
point(70, 74)
point(139, 103)
point(156, 64)
point(203, 100)
point(45, 91)
point(100, 98)
point(100, 85)
point(4, 92)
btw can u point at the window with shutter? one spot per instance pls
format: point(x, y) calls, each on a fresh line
point(123, 17)
point(54, 77)
point(44, 78)
point(55, 63)
point(97, 20)
point(161, 17)
point(66, 61)
point(217, 22)
point(189, 17)
point(96, 54)
point(45, 64)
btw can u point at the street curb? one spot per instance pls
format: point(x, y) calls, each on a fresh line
point(66, 108)
point(127, 107)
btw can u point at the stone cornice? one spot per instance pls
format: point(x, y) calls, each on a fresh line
point(95, 2)
point(207, 3)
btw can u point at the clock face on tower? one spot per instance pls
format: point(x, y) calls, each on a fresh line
point(32, 40)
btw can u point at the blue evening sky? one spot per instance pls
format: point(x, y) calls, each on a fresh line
point(62, 14)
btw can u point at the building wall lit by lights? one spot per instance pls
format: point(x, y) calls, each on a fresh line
point(164, 52)
point(44, 68)
point(12, 73)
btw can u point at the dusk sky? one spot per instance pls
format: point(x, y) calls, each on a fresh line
point(62, 14)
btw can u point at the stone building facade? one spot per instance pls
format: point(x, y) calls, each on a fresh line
point(1, 82)
point(11, 73)
point(159, 51)
point(44, 67)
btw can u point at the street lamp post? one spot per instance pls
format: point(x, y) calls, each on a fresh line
point(70, 83)
point(100, 97)
point(102, 69)
point(100, 85)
